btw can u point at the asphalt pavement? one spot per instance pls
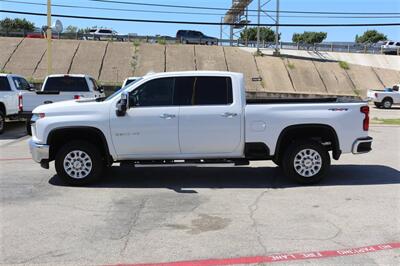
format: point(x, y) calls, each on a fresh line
point(142, 215)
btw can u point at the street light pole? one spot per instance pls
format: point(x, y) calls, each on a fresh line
point(49, 49)
point(258, 27)
point(277, 52)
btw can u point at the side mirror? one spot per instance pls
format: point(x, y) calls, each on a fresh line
point(123, 104)
point(101, 89)
point(31, 87)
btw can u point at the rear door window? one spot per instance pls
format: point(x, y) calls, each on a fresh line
point(203, 90)
point(20, 83)
point(4, 85)
point(66, 84)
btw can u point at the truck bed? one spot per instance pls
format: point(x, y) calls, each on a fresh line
point(292, 100)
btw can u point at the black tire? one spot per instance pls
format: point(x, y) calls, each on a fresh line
point(96, 165)
point(28, 126)
point(387, 103)
point(378, 105)
point(306, 163)
point(2, 122)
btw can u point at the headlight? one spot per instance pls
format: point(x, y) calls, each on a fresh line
point(36, 117)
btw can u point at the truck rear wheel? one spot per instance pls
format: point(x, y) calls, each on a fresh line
point(387, 103)
point(2, 122)
point(79, 163)
point(306, 161)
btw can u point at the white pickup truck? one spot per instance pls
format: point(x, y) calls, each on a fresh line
point(385, 98)
point(61, 87)
point(198, 117)
point(11, 89)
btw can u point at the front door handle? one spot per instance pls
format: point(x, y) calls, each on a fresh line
point(229, 115)
point(167, 116)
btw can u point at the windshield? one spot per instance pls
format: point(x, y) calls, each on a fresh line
point(122, 89)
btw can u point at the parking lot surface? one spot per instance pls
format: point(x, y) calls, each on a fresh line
point(141, 215)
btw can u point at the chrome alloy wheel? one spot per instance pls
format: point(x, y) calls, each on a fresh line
point(77, 164)
point(307, 162)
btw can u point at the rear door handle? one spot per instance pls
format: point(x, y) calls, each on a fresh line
point(228, 114)
point(167, 116)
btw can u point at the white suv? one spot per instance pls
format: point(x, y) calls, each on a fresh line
point(391, 47)
point(101, 34)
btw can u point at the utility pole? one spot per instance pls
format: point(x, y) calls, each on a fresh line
point(258, 27)
point(48, 35)
point(220, 31)
point(277, 52)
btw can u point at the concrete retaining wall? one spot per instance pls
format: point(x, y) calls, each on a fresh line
point(335, 78)
point(149, 58)
point(387, 77)
point(117, 62)
point(63, 53)
point(89, 58)
point(364, 78)
point(8, 47)
point(180, 58)
point(27, 57)
point(210, 58)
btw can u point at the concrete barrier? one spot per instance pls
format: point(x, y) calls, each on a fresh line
point(27, 57)
point(63, 53)
point(335, 78)
point(210, 58)
point(180, 58)
point(305, 76)
point(149, 58)
point(89, 58)
point(364, 79)
point(117, 62)
point(8, 47)
point(387, 76)
point(275, 77)
point(243, 62)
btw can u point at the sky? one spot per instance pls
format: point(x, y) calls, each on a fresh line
point(334, 34)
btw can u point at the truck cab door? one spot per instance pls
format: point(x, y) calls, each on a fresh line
point(210, 120)
point(149, 129)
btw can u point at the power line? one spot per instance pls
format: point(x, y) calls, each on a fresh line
point(188, 13)
point(198, 22)
point(250, 10)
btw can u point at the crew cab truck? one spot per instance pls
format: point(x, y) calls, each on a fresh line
point(11, 89)
point(385, 98)
point(195, 117)
point(58, 88)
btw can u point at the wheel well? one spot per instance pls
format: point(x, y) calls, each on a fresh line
point(388, 98)
point(58, 137)
point(3, 108)
point(323, 134)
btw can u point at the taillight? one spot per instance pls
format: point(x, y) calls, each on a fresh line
point(376, 95)
point(365, 111)
point(77, 97)
point(20, 105)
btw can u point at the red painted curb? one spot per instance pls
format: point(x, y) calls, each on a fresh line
point(275, 258)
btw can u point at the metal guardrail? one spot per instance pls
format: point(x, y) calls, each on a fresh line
point(322, 47)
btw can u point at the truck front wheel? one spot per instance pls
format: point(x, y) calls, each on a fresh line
point(79, 163)
point(387, 103)
point(306, 161)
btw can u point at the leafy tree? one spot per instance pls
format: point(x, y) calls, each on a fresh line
point(71, 29)
point(266, 34)
point(371, 36)
point(16, 24)
point(309, 37)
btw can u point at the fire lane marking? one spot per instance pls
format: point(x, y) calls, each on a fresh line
point(275, 258)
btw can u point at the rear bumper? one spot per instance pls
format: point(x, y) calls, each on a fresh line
point(40, 153)
point(362, 145)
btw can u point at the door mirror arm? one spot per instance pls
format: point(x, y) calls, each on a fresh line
point(123, 104)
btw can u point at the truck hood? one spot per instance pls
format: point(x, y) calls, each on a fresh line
point(70, 107)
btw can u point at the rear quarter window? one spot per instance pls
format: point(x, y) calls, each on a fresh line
point(4, 85)
point(66, 84)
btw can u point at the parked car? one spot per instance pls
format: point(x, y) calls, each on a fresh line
point(196, 117)
point(385, 98)
point(11, 89)
point(194, 37)
point(58, 88)
point(390, 47)
point(102, 35)
point(129, 80)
